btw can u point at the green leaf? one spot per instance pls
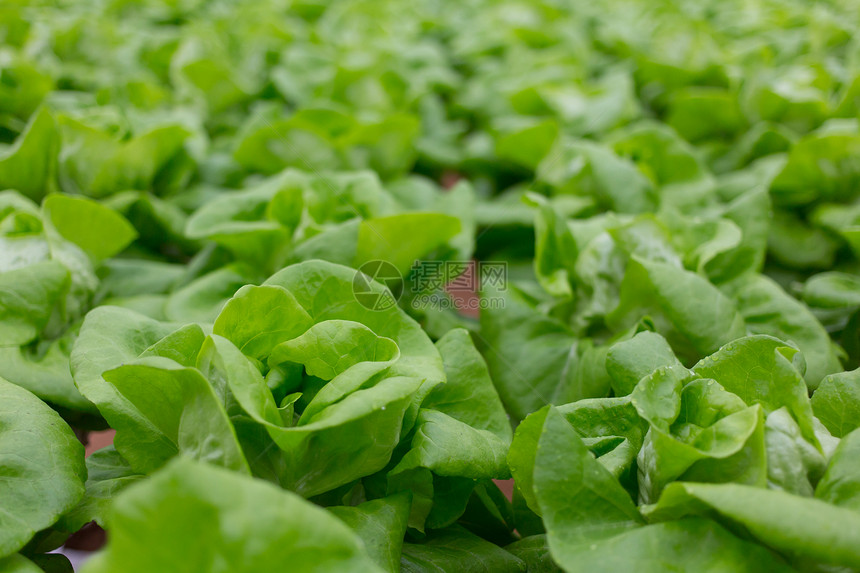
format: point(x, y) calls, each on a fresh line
point(793, 97)
point(109, 337)
point(381, 525)
point(231, 373)
point(840, 484)
point(341, 442)
point(836, 402)
point(350, 439)
point(658, 398)
point(231, 521)
point(325, 291)
point(202, 299)
point(130, 277)
point(526, 354)
point(25, 84)
point(336, 243)
point(767, 309)
point(163, 409)
point(793, 463)
point(699, 432)
point(252, 223)
point(269, 145)
point(535, 552)
point(28, 298)
point(489, 514)
point(796, 526)
point(455, 549)
point(181, 345)
point(158, 406)
point(449, 447)
point(690, 312)
point(584, 375)
point(666, 160)
point(656, 548)
point(590, 517)
point(17, 563)
point(555, 249)
point(468, 395)
point(794, 243)
point(820, 166)
point(394, 239)
point(214, 80)
point(838, 219)
point(107, 474)
point(329, 348)
point(832, 290)
point(527, 145)
point(95, 163)
point(258, 318)
point(29, 165)
point(629, 361)
point(580, 501)
point(583, 168)
point(612, 430)
point(522, 455)
point(99, 231)
point(762, 370)
point(43, 467)
point(751, 213)
point(446, 497)
point(44, 370)
point(761, 140)
point(449, 498)
point(699, 113)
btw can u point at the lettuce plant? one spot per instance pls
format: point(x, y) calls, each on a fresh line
point(731, 447)
point(196, 198)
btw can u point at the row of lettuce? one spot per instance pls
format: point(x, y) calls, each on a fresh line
point(297, 383)
point(188, 188)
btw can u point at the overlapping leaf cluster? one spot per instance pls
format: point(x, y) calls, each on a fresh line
point(187, 188)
